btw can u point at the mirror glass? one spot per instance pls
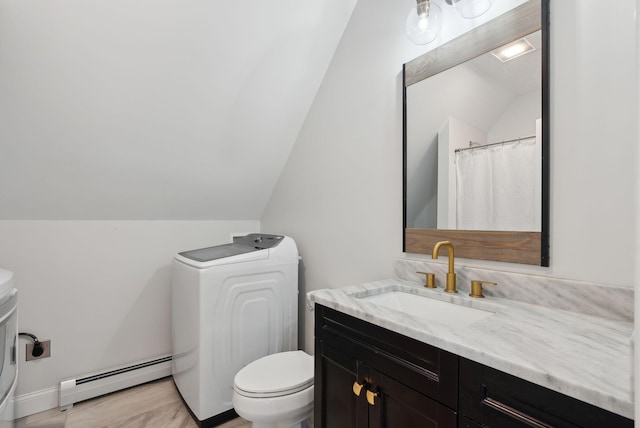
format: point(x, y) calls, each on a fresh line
point(474, 145)
point(476, 142)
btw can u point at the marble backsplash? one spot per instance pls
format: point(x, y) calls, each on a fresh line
point(605, 301)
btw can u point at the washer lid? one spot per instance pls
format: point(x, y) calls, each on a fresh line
point(254, 246)
point(276, 375)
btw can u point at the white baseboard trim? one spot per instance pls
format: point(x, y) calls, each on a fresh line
point(97, 384)
point(36, 402)
point(94, 385)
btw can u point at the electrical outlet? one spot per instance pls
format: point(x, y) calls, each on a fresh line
point(46, 346)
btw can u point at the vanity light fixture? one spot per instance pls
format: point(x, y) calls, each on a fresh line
point(470, 8)
point(424, 22)
point(513, 50)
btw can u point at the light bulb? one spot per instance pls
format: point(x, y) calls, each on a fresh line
point(513, 50)
point(424, 22)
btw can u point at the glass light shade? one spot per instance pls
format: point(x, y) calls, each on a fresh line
point(424, 23)
point(470, 8)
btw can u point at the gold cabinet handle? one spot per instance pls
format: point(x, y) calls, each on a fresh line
point(371, 397)
point(357, 388)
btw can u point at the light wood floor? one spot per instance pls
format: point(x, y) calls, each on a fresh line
point(156, 404)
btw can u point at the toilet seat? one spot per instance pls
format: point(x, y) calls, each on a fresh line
point(275, 375)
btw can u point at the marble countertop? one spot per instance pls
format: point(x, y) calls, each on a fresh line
point(582, 356)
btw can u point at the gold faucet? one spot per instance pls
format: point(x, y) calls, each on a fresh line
point(451, 275)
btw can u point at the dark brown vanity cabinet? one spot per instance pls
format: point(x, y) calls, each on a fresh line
point(495, 399)
point(367, 376)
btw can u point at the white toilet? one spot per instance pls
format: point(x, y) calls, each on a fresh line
point(276, 391)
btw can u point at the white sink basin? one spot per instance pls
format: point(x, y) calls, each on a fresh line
point(430, 309)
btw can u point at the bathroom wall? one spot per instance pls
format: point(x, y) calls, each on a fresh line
point(515, 120)
point(155, 110)
point(340, 194)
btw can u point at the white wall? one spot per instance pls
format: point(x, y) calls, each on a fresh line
point(99, 290)
point(516, 119)
point(594, 111)
point(340, 194)
point(155, 110)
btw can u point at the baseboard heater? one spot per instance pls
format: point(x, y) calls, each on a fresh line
point(94, 385)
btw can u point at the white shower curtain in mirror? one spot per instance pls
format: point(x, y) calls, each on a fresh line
point(496, 187)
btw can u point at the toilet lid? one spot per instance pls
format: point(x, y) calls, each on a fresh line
point(275, 375)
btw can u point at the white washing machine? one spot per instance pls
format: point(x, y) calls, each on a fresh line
point(8, 338)
point(231, 304)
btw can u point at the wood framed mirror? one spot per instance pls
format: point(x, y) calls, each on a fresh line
point(444, 116)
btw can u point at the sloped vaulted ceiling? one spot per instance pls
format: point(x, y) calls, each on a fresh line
point(155, 109)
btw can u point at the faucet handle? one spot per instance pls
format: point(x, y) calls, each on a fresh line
point(429, 280)
point(476, 288)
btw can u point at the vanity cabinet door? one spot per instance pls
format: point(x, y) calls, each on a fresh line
point(398, 406)
point(340, 406)
point(499, 400)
